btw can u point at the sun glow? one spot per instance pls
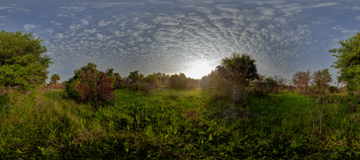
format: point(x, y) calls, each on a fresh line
point(198, 69)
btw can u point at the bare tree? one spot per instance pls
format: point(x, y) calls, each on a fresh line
point(280, 83)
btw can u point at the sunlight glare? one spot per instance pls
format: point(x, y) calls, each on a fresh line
point(198, 69)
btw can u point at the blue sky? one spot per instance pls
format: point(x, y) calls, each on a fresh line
point(284, 36)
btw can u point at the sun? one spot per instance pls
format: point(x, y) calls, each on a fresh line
point(198, 69)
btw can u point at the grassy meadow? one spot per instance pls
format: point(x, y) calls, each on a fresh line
point(176, 124)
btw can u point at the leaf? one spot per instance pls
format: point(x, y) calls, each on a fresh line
point(210, 137)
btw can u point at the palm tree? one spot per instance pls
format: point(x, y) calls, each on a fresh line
point(55, 78)
point(238, 70)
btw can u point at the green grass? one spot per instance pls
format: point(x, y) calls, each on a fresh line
point(173, 124)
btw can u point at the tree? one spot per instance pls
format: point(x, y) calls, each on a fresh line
point(110, 73)
point(321, 79)
point(238, 70)
point(90, 85)
point(280, 84)
point(135, 76)
point(54, 79)
point(178, 81)
point(264, 86)
point(301, 80)
point(119, 82)
point(22, 60)
point(348, 61)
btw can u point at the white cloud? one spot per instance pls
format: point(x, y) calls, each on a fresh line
point(49, 30)
point(102, 23)
point(55, 23)
point(355, 8)
point(59, 35)
point(99, 36)
point(74, 8)
point(62, 15)
point(30, 26)
point(84, 22)
point(357, 17)
point(4, 7)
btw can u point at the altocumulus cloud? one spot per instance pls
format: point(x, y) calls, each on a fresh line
point(169, 36)
point(30, 26)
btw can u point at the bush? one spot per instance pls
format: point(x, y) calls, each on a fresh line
point(280, 84)
point(178, 81)
point(70, 87)
point(90, 85)
point(333, 89)
point(264, 87)
point(147, 88)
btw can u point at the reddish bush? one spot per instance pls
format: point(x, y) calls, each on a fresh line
point(157, 85)
point(94, 87)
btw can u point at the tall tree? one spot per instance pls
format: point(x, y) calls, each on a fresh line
point(238, 70)
point(54, 79)
point(348, 61)
point(321, 79)
point(301, 80)
point(22, 60)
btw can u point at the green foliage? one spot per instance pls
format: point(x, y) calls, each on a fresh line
point(301, 80)
point(94, 87)
point(119, 82)
point(348, 62)
point(151, 79)
point(178, 81)
point(55, 78)
point(238, 70)
point(110, 73)
point(135, 76)
point(90, 85)
point(22, 62)
point(264, 86)
point(70, 87)
point(333, 89)
point(178, 124)
point(321, 79)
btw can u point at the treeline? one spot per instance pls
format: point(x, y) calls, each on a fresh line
point(94, 86)
point(24, 66)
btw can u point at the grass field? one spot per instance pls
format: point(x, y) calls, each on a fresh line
point(171, 124)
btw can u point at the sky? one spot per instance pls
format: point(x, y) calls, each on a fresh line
point(189, 36)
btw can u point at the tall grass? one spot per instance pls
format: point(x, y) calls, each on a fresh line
point(173, 124)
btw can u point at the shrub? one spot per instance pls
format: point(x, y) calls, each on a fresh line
point(264, 87)
point(119, 82)
point(147, 88)
point(333, 89)
point(280, 84)
point(70, 87)
point(90, 85)
point(178, 81)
